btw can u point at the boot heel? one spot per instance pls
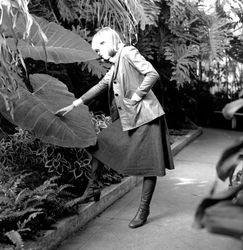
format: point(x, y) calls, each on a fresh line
point(93, 194)
point(97, 195)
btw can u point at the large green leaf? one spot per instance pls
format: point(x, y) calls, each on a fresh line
point(183, 58)
point(36, 112)
point(63, 46)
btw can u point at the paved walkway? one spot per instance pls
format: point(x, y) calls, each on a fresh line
point(176, 197)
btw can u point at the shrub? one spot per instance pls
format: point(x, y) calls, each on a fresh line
point(39, 181)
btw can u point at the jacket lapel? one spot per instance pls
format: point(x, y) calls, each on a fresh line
point(116, 65)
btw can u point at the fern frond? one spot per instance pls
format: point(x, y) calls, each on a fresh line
point(46, 188)
point(123, 15)
point(16, 238)
point(19, 181)
point(22, 195)
point(145, 12)
point(30, 218)
point(60, 190)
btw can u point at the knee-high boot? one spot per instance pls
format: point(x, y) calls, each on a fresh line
point(92, 191)
point(143, 210)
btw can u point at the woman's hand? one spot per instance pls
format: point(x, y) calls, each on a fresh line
point(65, 110)
point(136, 98)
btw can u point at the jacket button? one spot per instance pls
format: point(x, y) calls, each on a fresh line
point(115, 82)
point(119, 108)
point(116, 94)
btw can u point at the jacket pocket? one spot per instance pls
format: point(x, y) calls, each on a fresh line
point(129, 102)
point(132, 111)
point(135, 114)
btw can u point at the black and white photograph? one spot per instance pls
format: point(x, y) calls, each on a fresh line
point(121, 125)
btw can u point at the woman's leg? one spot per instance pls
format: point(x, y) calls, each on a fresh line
point(95, 170)
point(143, 210)
point(92, 191)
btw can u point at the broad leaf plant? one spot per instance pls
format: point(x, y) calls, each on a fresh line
point(32, 105)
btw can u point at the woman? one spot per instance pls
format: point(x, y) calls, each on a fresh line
point(137, 142)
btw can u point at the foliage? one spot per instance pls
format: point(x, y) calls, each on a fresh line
point(18, 89)
point(183, 59)
point(121, 14)
point(22, 209)
point(100, 121)
point(9, 60)
point(62, 45)
point(23, 150)
point(184, 36)
point(204, 36)
point(219, 33)
point(43, 45)
point(32, 110)
point(236, 51)
point(222, 212)
point(148, 42)
point(39, 182)
point(91, 15)
point(186, 33)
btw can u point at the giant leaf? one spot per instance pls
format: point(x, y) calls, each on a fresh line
point(63, 46)
point(229, 160)
point(36, 112)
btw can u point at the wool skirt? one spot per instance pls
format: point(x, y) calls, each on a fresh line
point(144, 151)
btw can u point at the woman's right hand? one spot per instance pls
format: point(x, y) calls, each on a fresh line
point(65, 110)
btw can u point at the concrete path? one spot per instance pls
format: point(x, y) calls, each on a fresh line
point(176, 197)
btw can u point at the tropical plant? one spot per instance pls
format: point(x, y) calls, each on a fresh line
point(24, 96)
point(23, 208)
point(38, 41)
point(222, 212)
point(204, 37)
point(120, 14)
point(40, 183)
point(180, 33)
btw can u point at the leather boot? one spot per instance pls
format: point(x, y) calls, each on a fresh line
point(143, 210)
point(92, 192)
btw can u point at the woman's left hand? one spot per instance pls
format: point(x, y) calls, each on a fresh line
point(136, 98)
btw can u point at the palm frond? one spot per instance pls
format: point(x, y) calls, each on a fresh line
point(218, 37)
point(145, 12)
point(122, 15)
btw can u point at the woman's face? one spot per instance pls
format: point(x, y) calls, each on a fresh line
point(105, 49)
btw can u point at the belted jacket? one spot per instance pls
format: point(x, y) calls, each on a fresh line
point(130, 74)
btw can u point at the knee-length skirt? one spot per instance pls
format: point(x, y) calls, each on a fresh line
point(144, 151)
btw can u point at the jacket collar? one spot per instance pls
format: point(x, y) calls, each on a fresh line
point(115, 58)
